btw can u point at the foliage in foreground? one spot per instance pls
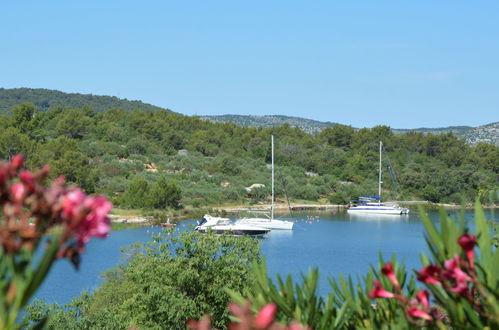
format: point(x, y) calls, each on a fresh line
point(461, 288)
point(29, 211)
point(166, 282)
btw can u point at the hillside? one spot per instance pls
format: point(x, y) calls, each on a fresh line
point(487, 133)
point(44, 99)
point(307, 125)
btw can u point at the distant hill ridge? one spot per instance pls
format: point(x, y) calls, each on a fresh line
point(45, 99)
point(307, 125)
point(486, 133)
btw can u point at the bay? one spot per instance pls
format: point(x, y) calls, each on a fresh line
point(335, 243)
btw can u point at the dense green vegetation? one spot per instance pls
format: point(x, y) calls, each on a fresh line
point(133, 157)
point(45, 99)
point(164, 284)
point(472, 135)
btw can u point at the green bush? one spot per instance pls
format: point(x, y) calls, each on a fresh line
point(164, 284)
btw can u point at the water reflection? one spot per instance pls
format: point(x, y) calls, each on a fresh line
point(378, 217)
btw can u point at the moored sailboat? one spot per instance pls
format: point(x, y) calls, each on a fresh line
point(269, 222)
point(373, 204)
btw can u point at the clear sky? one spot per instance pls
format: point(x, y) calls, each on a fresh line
point(405, 64)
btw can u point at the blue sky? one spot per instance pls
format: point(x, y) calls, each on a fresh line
point(405, 64)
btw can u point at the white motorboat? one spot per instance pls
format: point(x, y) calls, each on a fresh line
point(373, 204)
point(220, 225)
point(268, 222)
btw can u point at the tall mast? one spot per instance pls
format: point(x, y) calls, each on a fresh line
point(379, 181)
point(272, 212)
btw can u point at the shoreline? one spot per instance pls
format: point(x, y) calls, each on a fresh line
point(138, 218)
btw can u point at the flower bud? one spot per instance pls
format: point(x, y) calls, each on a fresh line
point(418, 313)
point(387, 270)
point(266, 316)
point(379, 292)
point(17, 162)
point(17, 190)
point(27, 178)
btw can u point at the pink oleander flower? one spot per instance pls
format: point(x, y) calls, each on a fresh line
point(379, 292)
point(430, 274)
point(454, 273)
point(467, 243)
point(266, 316)
point(418, 313)
point(387, 270)
point(17, 161)
point(423, 298)
point(27, 178)
point(96, 223)
point(72, 204)
point(87, 215)
point(17, 190)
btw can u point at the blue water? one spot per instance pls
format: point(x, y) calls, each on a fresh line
point(335, 243)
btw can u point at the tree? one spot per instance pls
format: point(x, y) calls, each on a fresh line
point(13, 142)
point(65, 158)
point(165, 194)
point(22, 115)
point(74, 124)
point(171, 280)
point(137, 194)
point(338, 135)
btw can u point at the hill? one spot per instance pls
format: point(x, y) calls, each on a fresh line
point(307, 125)
point(45, 99)
point(486, 133)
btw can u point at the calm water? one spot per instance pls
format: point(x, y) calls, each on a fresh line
point(335, 243)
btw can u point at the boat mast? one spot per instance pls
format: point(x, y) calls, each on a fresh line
point(379, 181)
point(272, 212)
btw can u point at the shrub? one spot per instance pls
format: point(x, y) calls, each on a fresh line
point(167, 282)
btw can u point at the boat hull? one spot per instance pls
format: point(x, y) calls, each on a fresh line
point(234, 231)
point(273, 224)
point(386, 210)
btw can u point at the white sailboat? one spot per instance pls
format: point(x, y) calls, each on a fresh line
point(220, 225)
point(269, 222)
point(373, 204)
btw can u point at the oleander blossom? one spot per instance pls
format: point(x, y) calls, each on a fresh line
point(387, 270)
point(379, 292)
point(88, 215)
point(17, 192)
point(467, 243)
point(430, 274)
point(246, 319)
point(266, 316)
point(31, 210)
point(418, 313)
point(423, 297)
point(455, 274)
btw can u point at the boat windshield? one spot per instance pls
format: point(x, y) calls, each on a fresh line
point(203, 221)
